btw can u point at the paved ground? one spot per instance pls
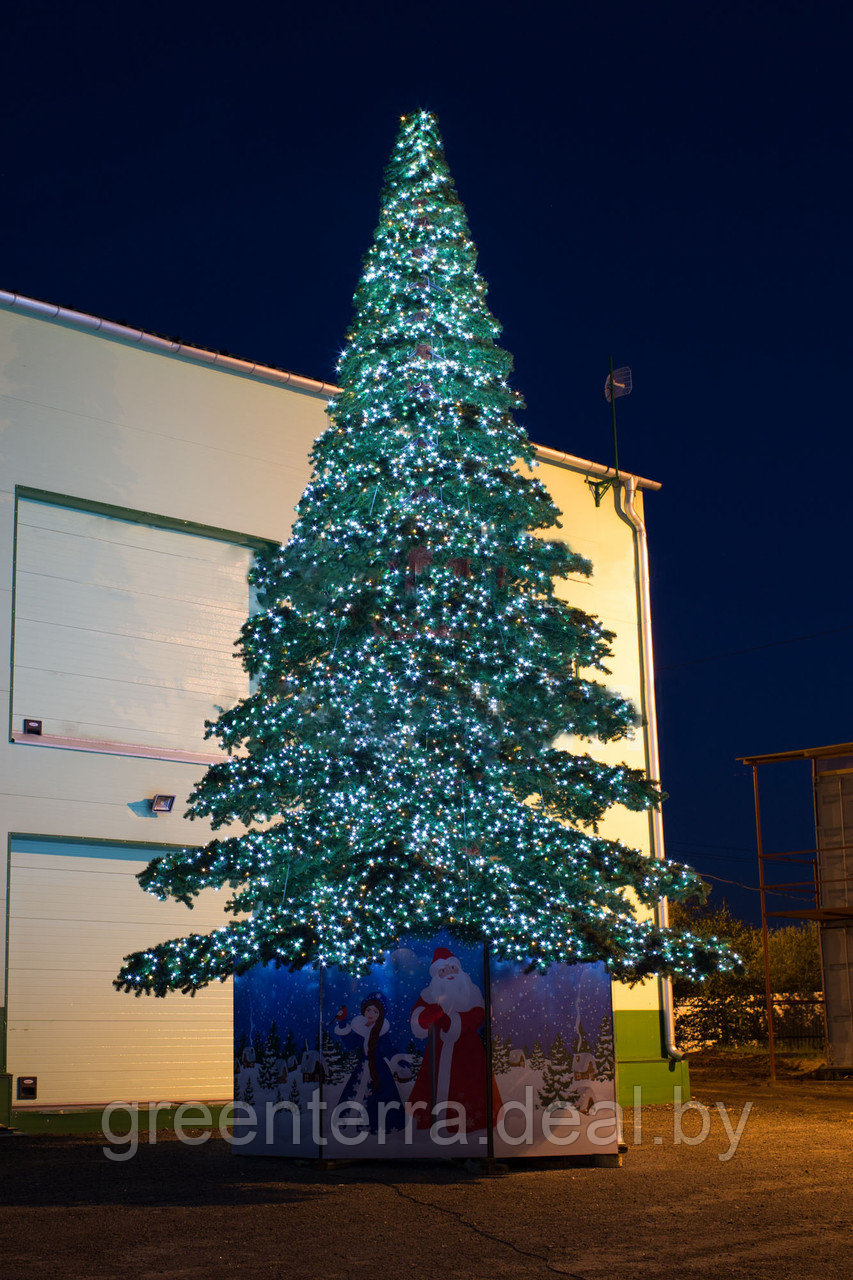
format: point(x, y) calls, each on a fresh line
point(781, 1207)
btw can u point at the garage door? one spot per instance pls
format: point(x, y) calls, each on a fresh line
point(124, 631)
point(75, 910)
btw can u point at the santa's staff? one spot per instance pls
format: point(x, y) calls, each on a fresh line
point(432, 1050)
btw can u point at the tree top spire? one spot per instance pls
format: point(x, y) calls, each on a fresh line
point(418, 148)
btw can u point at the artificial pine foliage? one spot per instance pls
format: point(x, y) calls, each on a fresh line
point(395, 768)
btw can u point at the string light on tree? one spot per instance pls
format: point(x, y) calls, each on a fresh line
point(393, 770)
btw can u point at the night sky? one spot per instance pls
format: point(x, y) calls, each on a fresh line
point(669, 184)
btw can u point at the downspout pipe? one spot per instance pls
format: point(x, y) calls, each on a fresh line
point(630, 513)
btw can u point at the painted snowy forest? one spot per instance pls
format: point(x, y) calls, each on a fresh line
point(271, 1066)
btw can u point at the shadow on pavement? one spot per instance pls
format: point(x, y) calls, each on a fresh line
point(39, 1170)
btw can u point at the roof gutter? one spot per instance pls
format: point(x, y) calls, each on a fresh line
point(593, 468)
point(630, 486)
point(82, 320)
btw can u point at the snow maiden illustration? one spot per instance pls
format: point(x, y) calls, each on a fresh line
point(372, 1081)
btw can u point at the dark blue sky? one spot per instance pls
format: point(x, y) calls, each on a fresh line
point(669, 183)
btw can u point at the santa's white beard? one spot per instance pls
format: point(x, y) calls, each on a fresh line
point(455, 995)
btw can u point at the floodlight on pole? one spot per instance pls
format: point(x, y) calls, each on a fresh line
point(619, 382)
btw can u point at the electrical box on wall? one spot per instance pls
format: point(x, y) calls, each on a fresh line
point(26, 1088)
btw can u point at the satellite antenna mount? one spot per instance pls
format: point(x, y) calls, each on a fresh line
point(619, 382)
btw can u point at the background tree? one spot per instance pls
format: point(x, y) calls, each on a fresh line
point(794, 952)
point(413, 667)
point(728, 1008)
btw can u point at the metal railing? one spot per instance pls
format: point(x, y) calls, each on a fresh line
point(740, 1021)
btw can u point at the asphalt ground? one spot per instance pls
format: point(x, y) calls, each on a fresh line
point(779, 1207)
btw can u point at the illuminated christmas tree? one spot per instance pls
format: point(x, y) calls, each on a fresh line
point(393, 771)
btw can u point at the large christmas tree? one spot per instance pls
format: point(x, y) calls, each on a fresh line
point(394, 769)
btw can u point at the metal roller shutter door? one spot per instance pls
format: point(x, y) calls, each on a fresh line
point(124, 632)
point(74, 910)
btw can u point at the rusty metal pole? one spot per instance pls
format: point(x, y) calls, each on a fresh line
point(764, 939)
point(818, 902)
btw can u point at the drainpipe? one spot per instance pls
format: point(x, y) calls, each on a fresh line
point(652, 754)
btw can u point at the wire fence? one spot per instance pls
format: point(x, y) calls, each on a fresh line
point(741, 1021)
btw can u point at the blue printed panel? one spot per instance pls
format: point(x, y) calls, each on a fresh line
point(420, 1097)
point(277, 1063)
point(553, 1058)
point(393, 1063)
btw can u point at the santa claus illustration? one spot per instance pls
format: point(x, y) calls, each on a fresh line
point(449, 1015)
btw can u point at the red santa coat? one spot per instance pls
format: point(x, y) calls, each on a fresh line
point(459, 1072)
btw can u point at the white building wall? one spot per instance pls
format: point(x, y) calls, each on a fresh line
point(106, 421)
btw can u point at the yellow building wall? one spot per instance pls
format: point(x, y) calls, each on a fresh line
point(104, 420)
point(606, 538)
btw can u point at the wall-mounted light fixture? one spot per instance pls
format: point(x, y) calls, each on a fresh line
point(33, 726)
point(162, 804)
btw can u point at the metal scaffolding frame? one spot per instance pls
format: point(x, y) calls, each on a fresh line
point(817, 887)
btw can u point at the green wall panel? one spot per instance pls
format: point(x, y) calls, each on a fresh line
point(638, 1033)
point(640, 1062)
